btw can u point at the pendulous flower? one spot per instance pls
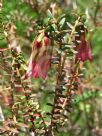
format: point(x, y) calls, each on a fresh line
point(84, 48)
point(39, 61)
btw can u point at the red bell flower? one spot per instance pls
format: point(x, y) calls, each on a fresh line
point(39, 61)
point(83, 49)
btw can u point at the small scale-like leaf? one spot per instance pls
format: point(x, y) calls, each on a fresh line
point(49, 104)
point(58, 107)
point(62, 22)
point(57, 112)
point(61, 95)
point(69, 25)
point(49, 14)
point(48, 113)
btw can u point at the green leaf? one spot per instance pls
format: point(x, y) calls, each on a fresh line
point(62, 22)
point(49, 14)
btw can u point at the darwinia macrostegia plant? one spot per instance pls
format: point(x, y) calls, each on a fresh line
point(58, 44)
point(64, 89)
point(15, 77)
